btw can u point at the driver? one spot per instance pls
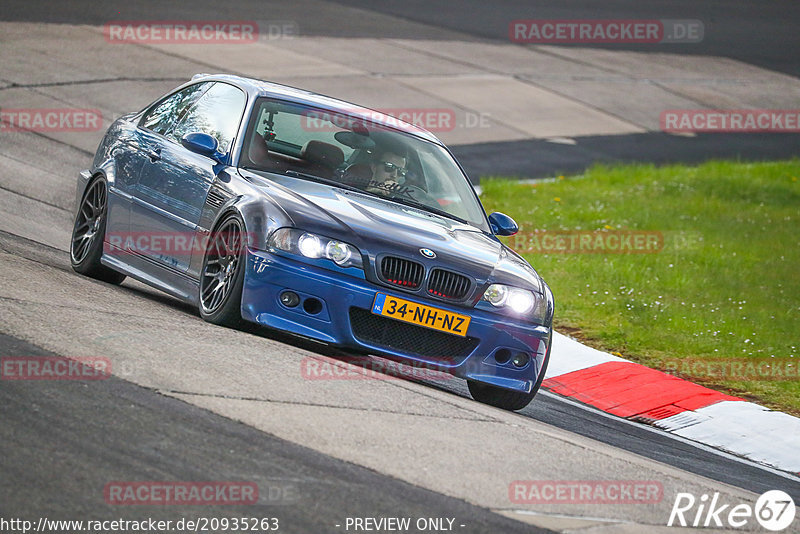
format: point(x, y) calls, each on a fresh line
point(388, 174)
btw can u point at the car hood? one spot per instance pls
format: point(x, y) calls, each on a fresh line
point(377, 226)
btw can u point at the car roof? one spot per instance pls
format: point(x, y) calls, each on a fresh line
point(261, 88)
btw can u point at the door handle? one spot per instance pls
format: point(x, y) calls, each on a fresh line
point(154, 154)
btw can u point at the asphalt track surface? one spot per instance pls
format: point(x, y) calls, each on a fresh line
point(62, 442)
point(761, 33)
point(754, 32)
point(61, 446)
point(758, 33)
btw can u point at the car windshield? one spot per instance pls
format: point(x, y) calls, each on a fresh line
point(287, 137)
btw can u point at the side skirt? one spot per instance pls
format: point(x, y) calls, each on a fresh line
point(172, 282)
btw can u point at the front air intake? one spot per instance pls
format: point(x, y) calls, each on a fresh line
point(448, 285)
point(401, 272)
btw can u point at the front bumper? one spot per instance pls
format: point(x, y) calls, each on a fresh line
point(335, 308)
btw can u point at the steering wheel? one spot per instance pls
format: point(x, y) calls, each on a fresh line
point(416, 194)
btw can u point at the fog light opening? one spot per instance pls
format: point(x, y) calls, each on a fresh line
point(290, 299)
point(312, 306)
point(521, 359)
point(502, 356)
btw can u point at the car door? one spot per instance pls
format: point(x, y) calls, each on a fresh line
point(174, 181)
point(136, 144)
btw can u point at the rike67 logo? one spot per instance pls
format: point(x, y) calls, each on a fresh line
point(774, 510)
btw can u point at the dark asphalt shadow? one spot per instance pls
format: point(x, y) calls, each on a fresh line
point(63, 441)
point(539, 158)
point(760, 33)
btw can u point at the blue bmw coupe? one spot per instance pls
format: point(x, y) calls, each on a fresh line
point(265, 203)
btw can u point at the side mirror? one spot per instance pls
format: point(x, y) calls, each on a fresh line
point(201, 143)
point(502, 224)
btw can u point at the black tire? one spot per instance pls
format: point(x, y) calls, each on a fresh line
point(505, 398)
point(222, 274)
point(88, 234)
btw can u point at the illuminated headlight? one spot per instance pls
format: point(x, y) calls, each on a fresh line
point(310, 246)
point(315, 246)
point(520, 301)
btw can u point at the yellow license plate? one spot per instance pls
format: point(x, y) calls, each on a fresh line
point(419, 314)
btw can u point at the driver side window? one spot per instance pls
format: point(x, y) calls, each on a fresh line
point(164, 115)
point(218, 113)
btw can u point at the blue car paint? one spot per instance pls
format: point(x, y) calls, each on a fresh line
point(142, 199)
point(269, 274)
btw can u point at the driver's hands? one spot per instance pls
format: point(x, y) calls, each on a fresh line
point(387, 188)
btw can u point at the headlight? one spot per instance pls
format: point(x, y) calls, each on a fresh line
point(339, 252)
point(496, 294)
point(315, 246)
point(520, 301)
point(310, 246)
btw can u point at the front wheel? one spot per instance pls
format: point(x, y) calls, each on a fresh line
point(88, 233)
point(222, 275)
point(499, 397)
point(505, 398)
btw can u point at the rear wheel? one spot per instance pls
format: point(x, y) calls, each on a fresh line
point(222, 275)
point(88, 234)
point(505, 398)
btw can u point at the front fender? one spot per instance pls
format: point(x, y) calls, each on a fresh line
point(259, 214)
point(261, 217)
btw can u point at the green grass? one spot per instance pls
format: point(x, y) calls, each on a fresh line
point(725, 286)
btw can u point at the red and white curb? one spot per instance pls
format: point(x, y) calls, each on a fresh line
point(632, 391)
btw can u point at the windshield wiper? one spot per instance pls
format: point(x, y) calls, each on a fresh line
point(426, 207)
